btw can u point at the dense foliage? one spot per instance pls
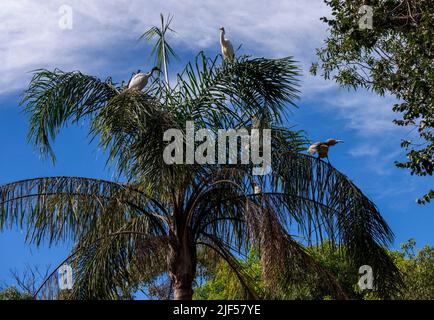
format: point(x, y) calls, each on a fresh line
point(12, 293)
point(218, 282)
point(417, 269)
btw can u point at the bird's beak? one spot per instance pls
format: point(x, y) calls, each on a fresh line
point(339, 141)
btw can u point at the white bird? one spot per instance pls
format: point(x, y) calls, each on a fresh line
point(226, 46)
point(140, 80)
point(322, 148)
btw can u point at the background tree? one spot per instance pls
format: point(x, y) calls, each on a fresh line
point(12, 293)
point(417, 269)
point(170, 219)
point(395, 57)
point(26, 284)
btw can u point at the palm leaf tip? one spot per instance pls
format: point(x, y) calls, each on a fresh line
point(55, 97)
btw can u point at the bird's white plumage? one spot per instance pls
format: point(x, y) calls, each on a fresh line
point(322, 148)
point(139, 81)
point(226, 46)
point(313, 148)
point(228, 50)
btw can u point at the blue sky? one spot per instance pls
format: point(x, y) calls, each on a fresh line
point(103, 42)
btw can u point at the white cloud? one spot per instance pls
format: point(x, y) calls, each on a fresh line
point(364, 150)
point(31, 37)
point(365, 112)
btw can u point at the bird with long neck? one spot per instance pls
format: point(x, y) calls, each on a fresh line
point(140, 80)
point(322, 148)
point(226, 46)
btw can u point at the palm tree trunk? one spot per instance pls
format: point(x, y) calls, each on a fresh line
point(183, 293)
point(182, 267)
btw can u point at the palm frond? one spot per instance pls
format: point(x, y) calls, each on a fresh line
point(162, 50)
point(113, 265)
point(305, 193)
point(124, 261)
point(218, 246)
point(230, 93)
point(283, 260)
point(60, 208)
point(56, 97)
point(131, 127)
point(327, 205)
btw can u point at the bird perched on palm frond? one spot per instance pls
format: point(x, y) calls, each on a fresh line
point(226, 46)
point(140, 80)
point(322, 148)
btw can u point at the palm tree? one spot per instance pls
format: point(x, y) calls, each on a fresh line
point(169, 219)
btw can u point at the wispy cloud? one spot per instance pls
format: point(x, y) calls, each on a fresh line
point(363, 111)
point(364, 150)
point(31, 37)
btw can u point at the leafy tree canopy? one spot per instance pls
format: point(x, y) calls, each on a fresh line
point(417, 267)
point(12, 293)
